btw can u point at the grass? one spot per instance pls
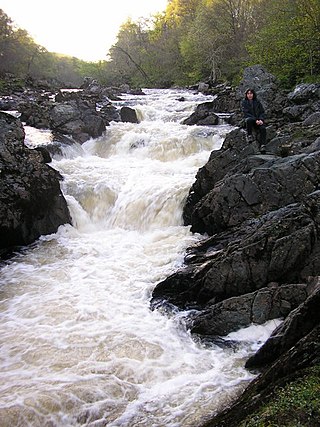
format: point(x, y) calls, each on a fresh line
point(295, 405)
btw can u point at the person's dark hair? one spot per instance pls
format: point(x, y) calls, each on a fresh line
point(251, 90)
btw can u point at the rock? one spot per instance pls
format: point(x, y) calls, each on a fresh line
point(35, 114)
point(203, 87)
point(203, 115)
point(31, 202)
point(220, 164)
point(257, 307)
point(304, 93)
point(264, 188)
point(267, 88)
point(275, 247)
point(305, 102)
point(110, 113)
point(297, 113)
point(297, 325)
point(128, 114)
point(74, 116)
point(313, 119)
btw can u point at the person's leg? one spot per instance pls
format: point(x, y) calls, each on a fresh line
point(249, 125)
point(263, 134)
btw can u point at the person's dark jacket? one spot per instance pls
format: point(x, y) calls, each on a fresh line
point(253, 110)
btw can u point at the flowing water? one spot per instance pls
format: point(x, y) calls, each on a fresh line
point(79, 343)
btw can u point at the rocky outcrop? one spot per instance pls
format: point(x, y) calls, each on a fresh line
point(299, 323)
point(31, 202)
point(79, 114)
point(74, 115)
point(272, 302)
point(277, 247)
point(227, 100)
point(260, 260)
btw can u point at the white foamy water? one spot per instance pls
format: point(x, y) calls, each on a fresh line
point(79, 343)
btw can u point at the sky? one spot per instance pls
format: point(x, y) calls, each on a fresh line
point(85, 29)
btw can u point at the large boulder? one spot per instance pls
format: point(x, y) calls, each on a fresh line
point(257, 307)
point(264, 188)
point(297, 325)
point(129, 115)
point(266, 86)
point(31, 202)
point(304, 102)
point(203, 115)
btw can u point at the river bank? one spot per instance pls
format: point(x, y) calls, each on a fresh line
point(259, 206)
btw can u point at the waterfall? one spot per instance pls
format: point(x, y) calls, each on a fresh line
point(79, 343)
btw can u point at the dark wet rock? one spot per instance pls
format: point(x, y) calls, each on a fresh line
point(203, 115)
point(31, 202)
point(313, 119)
point(76, 117)
point(110, 113)
point(80, 114)
point(228, 100)
point(304, 102)
point(35, 114)
point(8, 103)
point(274, 248)
point(44, 153)
point(267, 88)
point(272, 302)
point(128, 114)
point(299, 323)
point(265, 188)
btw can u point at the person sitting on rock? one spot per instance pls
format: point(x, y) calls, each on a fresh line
point(254, 115)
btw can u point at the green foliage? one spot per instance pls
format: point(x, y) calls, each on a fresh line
point(191, 41)
point(288, 42)
point(296, 404)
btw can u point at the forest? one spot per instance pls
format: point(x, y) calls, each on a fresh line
point(190, 41)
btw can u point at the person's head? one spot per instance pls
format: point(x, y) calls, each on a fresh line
point(250, 94)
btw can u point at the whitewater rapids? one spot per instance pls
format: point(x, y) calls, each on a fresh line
point(79, 343)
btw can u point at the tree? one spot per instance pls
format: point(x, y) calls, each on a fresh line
point(288, 43)
point(128, 52)
point(6, 32)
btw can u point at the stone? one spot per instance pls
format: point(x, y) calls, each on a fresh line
point(128, 114)
point(31, 202)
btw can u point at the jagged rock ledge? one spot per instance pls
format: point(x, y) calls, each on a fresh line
point(31, 202)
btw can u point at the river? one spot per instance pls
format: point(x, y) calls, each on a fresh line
point(79, 343)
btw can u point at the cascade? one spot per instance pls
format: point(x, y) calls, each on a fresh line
point(79, 343)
